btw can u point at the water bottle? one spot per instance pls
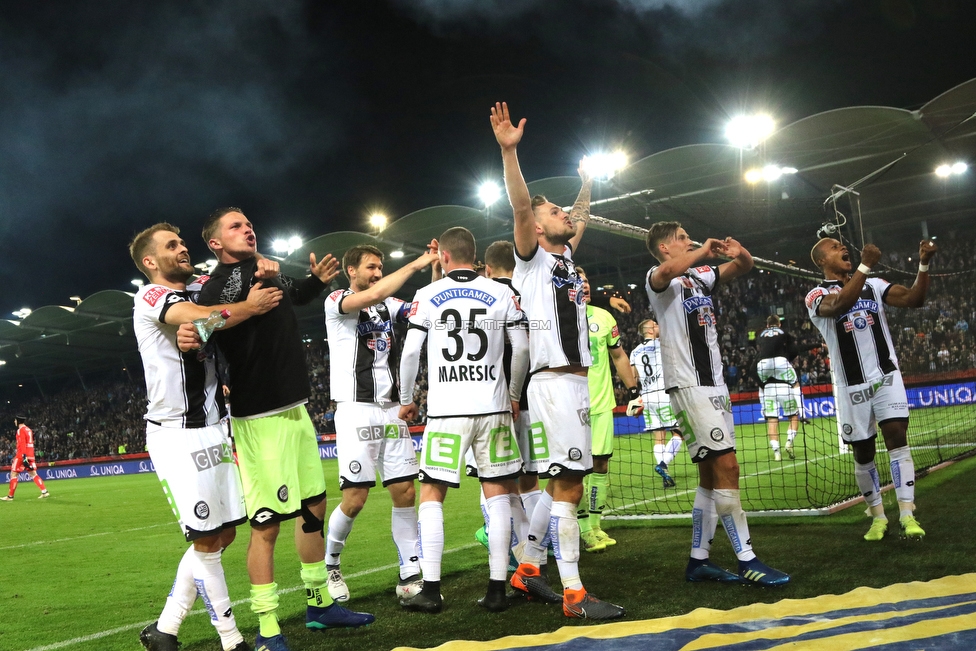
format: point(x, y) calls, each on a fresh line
point(206, 326)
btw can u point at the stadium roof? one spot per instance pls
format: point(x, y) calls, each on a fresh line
point(887, 155)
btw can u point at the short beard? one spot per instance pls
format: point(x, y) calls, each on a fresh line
point(558, 239)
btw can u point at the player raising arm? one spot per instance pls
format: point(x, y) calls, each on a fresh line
point(848, 309)
point(679, 290)
point(552, 299)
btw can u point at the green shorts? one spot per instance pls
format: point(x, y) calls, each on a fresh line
point(602, 426)
point(280, 467)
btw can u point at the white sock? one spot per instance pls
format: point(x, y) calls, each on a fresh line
point(403, 525)
point(519, 522)
point(340, 525)
point(903, 477)
point(704, 520)
point(208, 575)
point(537, 540)
point(499, 510)
point(774, 445)
point(484, 506)
point(790, 435)
point(658, 453)
point(181, 597)
point(866, 476)
point(565, 533)
point(729, 509)
point(671, 449)
point(430, 523)
point(529, 501)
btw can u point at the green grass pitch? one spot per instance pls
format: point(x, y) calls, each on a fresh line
point(87, 568)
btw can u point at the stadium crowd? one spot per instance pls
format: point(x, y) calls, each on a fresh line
point(107, 419)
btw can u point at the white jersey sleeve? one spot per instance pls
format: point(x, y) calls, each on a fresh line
point(180, 388)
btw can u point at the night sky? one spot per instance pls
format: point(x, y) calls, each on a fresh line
point(311, 115)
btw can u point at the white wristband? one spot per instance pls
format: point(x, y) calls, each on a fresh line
point(864, 269)
point(922, 267)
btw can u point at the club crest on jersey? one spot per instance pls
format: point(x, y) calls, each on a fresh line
point(379, 345)
point(462, 292)
point(858, 322)
point(153, 294)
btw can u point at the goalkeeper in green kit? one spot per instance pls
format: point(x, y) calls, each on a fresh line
point(604, 346)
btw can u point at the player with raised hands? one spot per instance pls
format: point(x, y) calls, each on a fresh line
point(848, 309)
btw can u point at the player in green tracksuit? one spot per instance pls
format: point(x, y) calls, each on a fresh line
point(604, 347)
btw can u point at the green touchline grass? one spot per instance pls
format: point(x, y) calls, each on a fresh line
point(100, 556)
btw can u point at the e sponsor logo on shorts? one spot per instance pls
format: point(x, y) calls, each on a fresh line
point(283, 493)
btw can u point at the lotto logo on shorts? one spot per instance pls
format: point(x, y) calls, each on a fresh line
point(211, 457)
point(371, 433)
point(538, 442)
point(443, 450)
point(501, 445)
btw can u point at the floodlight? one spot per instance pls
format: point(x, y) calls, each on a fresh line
point(279, 245)
point(747, 131)
point(489, 193)
point(959, 168)
point(788, 170)
point(294, 243)
point(22, 313)
point(771, 173)
point(753, 175)
point(2, 362)
point(76, 299)
point(943, 170)
point(604, 166)
point(137, 282)
point(377, 221)
point(396, 254)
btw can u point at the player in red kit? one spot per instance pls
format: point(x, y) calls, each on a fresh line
point(24, 460)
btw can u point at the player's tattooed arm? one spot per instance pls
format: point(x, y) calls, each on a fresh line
point(580, 213)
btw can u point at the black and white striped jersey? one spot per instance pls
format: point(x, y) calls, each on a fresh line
point(552, 299)
point(181, 389)
point(689, 341)
point(363, 348)
point(859, 343)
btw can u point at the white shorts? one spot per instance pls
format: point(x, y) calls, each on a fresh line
point(777, 368)
point(446, 440)
point(521, 435)
point(371, 439)
point(562, 442)
point(199, 477)
point(704, 418)
point(776, 395)
point(861, 407)
point(657, 411)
